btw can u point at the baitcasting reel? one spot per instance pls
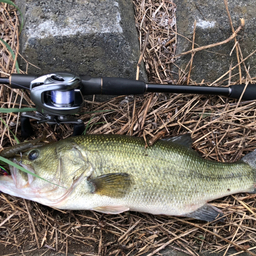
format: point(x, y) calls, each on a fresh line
point(57, 99)
point(59, 96)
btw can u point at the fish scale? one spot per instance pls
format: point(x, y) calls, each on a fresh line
point(113, 173)
point(180, 165)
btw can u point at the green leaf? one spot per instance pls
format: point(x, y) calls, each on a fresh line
point(21, 16)
point(7, 161)
point(16, 110)
point(12, 53)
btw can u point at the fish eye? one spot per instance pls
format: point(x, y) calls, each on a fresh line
point(33, 155)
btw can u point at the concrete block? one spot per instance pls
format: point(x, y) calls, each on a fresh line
point(213, 26)
point(91, 37)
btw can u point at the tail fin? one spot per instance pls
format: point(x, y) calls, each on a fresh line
point(251, 160)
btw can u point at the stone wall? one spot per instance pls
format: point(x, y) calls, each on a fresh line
point(90, 37)
point(212, 26)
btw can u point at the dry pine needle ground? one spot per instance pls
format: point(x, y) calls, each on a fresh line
point(222, 130)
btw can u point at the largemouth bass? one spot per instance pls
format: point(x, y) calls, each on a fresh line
point(113, 174)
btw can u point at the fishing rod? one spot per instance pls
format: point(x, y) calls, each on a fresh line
point(59, 96)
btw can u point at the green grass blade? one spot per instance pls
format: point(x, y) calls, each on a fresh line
point(21, 16)
point(88, 125)
point(12, 53)
point(7, 161)
point(16, 110)
point(99, 111)
point(3, 169)
point(10, 131)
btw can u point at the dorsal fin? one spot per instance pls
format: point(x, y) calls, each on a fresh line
point(184, 140)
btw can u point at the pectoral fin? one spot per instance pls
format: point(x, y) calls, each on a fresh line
point(111, 209)
point(207, 213)
point(112, 184)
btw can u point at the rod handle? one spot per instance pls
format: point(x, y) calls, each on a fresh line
point(237, 90)
point(122, 86)
point(111, 86)
point(21, 81)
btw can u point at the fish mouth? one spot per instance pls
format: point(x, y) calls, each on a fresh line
point(18, 184)
point(20, 178)
point(10, 184)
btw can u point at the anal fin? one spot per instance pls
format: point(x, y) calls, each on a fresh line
point(207, 213)
point(110, 209)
